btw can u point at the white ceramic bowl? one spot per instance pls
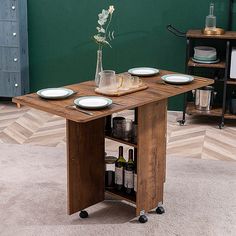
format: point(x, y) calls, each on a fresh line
point(205, 58)
point(204, 51)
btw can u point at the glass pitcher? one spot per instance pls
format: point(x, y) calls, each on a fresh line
point(108, 80)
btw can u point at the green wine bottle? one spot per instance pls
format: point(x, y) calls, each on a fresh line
point(129, 174)
point(119, 170)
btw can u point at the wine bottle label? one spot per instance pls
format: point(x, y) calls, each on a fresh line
point(129, 179)
point(135, 182)
point(119, 175)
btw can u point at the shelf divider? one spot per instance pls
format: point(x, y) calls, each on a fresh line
point(120, 140)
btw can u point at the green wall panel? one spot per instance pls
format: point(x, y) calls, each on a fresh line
point(62, 52)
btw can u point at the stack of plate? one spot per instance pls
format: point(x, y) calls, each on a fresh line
point(204, 54)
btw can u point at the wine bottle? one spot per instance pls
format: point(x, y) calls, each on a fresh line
point(135, 170)
point(119, 170)
point(129, 174)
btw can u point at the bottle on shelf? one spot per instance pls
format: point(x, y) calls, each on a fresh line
point(119, 170)
point(129, 174)
point(135, 170)
point(211, 19)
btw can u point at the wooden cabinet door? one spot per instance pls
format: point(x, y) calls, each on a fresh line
point(86, 164)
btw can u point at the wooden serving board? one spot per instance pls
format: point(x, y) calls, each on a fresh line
point(121, 92)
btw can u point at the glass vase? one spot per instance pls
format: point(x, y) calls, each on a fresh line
point(98, 67)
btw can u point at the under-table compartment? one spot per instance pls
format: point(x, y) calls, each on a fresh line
point(122, 195)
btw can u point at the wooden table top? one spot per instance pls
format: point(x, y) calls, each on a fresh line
point(156, 91)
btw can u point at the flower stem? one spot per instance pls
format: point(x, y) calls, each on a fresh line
point(108, 25)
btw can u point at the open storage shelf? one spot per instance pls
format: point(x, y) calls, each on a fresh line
point(220, 65)
point(191, 110)
point(220, 71)
point(121, 141)
point(231, 81)
point(122, 195)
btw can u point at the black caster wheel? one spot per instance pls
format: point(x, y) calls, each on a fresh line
point(160, 210)
point(181, 122)
point(83, 214)
point(143, 219)
point(221, 126)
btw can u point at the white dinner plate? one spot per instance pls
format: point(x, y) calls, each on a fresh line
point(206, 62)
point(55, 93)
point(177, 79)
point(93, 102)
point(143, 71)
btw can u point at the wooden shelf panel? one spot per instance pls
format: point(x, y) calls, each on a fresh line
point(231, 81)
point(199, 34)
point(122, 195)
point(230, 116)
point(191, 110)
point(220, 65)
point(121, 141)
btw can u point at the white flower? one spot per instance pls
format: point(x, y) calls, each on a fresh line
point(102, 17)
point(111, 9)
point(104, 20)
point(99, 39)
point(101, 30)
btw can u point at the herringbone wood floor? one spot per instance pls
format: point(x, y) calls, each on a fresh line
point(199, 138)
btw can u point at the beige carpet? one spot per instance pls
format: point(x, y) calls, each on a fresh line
point(200, 198)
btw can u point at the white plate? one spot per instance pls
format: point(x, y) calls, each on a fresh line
point(143, 71)
point(177, 79)
point(55, 93)
point(206, 62)
point(93, 102)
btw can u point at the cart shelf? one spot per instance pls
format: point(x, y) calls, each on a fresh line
point(191, 110)
point(231, 81)
point(220, 65)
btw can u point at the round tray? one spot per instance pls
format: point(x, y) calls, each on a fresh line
point(217, 31)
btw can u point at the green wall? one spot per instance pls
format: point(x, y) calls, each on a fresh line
point(61, 50)
point(234, 15)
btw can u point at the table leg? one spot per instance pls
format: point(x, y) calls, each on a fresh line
point(85, 164)
point(152, 122)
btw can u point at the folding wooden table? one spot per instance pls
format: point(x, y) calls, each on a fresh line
point(86, 138)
